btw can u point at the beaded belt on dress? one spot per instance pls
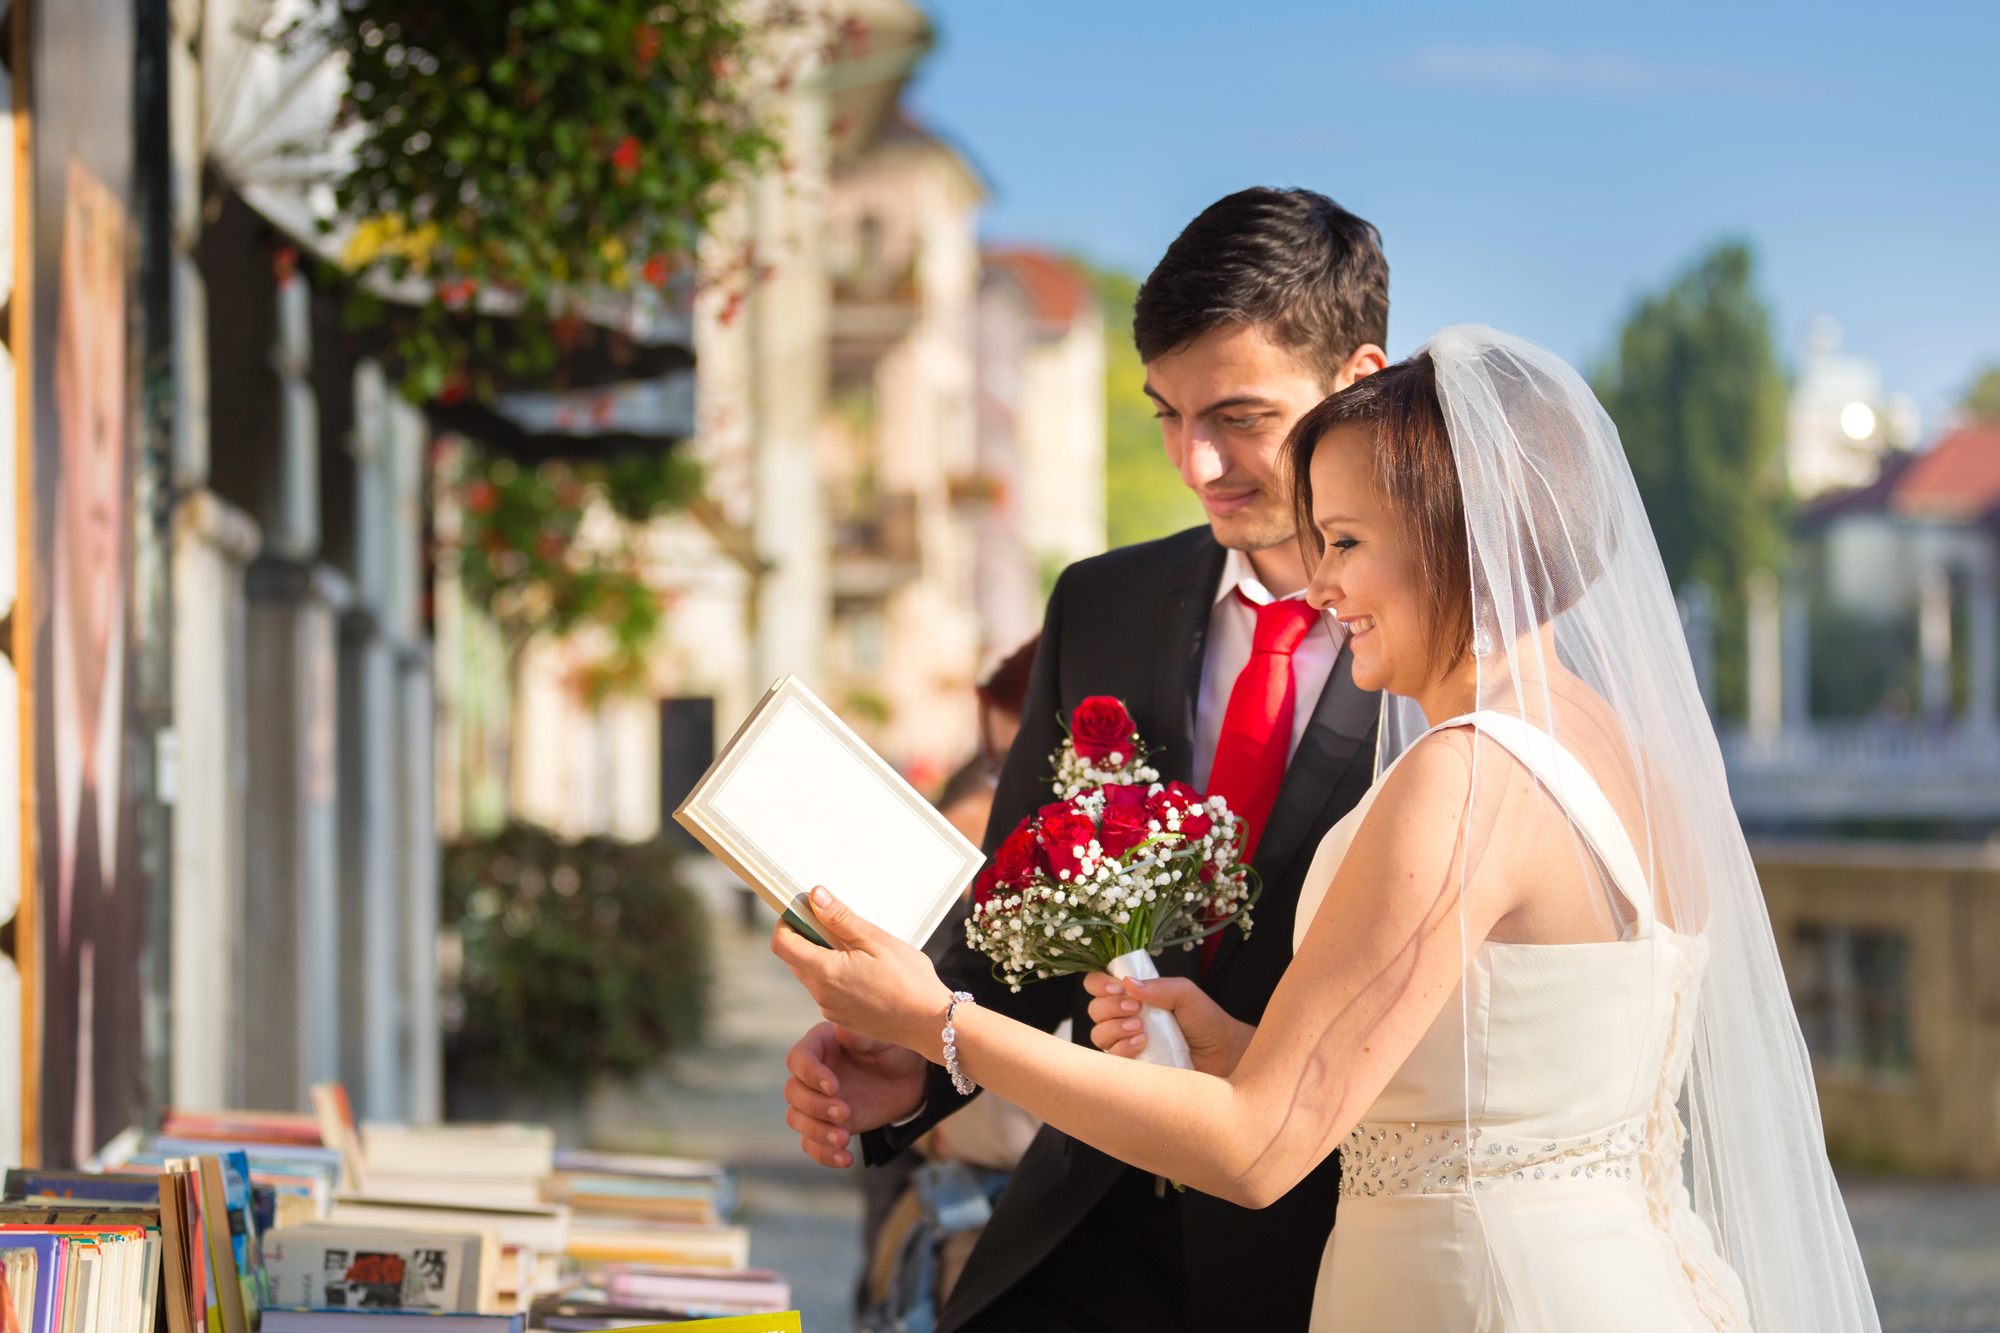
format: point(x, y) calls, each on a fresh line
point(1409, 1158)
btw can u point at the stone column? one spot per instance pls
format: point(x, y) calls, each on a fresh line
point(1767, 684)
point(786, 322)
point(213, 542)
point(1983, 630)
point(371, 915)
point(1795, 653)
point(1934, 639)
point(291, 918)
point(417, 853)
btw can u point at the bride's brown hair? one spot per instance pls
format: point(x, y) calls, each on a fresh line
point(1415, 473)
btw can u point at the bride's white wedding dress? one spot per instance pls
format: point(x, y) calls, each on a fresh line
point(1522, 1170)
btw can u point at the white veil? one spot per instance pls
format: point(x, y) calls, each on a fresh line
point(1554, 524)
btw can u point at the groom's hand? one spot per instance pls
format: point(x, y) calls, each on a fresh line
point(843, 1084)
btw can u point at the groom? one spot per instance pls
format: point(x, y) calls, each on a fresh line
point(1266, 303)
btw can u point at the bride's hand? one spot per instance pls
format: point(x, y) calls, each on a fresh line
point(870, 982)
point(1215, 1040)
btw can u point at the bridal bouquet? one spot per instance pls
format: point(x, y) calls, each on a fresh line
point(1119, 868)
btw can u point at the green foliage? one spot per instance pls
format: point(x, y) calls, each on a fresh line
point(1144, 496)
point(1696, 391)
point(532, 149)
point(523, 554)
point(1982, 400)
point(579, 959)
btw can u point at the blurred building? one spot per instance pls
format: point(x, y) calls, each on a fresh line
point(219, 697)
point(1887, 949)
point(1041, 434)
point(904, 443)
point(1887, 632)
point(1840, 422)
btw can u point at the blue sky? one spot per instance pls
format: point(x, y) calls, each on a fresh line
point(1532, 166)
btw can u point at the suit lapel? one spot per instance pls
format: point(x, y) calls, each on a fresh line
point(1178, 655)
point(1183, 641)
point(1338, 737)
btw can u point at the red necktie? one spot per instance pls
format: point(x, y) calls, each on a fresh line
point(1256, 738)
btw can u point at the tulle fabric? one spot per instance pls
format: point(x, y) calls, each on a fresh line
point(1555, 528)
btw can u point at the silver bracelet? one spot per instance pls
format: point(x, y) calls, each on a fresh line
point(959, 1081)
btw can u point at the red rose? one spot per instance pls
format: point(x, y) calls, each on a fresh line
point(982, 887)
point(1099, 726)
point(1123, 793)
point(1061, 834)
point(1125, 827)
point(1015, 863)
point(1195, 819)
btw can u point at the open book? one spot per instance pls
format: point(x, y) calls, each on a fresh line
point(797, 800)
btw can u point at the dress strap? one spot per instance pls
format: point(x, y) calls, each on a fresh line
point(1563, 775)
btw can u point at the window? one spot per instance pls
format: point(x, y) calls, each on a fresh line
point(687, 748)
point(1851, 988)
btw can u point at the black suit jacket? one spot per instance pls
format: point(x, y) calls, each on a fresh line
point(1134, 623)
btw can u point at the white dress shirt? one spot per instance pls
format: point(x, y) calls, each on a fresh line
point(1232, 629)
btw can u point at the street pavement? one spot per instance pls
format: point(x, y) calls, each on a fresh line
point(725, 1101)
point(1932, 1249)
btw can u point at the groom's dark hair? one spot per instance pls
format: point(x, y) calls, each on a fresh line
point(1292, 260)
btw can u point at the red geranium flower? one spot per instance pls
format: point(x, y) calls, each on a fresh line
point(1099, 726)
point(656, 271)
point(625, 156)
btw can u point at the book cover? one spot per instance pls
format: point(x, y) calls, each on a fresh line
point(17, 1289)
point(387, 1321)
point(228, 1278)
point(359, 1269)
point(796, 800)
point(29, 1185)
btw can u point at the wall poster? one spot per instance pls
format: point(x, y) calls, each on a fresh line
point(89, 894)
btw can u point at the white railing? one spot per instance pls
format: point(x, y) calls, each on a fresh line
point(1834, 770)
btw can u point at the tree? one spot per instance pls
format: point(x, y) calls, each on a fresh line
point(1699, 400)
point(1144, 496)
point(1982, 400)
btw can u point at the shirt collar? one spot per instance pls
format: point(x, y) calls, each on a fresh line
point(1238, 573)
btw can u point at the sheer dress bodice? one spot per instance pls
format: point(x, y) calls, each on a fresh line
point(1522, 1169)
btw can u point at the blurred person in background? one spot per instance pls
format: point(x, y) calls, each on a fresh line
point(968, 794)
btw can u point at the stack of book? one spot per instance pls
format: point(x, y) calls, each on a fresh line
point(114, 1251)
point(479, 1177)
point(623, 1295)
point(79, 1266)
point(232, 1221)
point(502, 1164)
point(629, 1208)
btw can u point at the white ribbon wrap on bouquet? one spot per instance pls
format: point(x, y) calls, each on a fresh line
point(1165, 1044)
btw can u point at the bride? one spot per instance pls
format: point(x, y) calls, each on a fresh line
point(1531, 968)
